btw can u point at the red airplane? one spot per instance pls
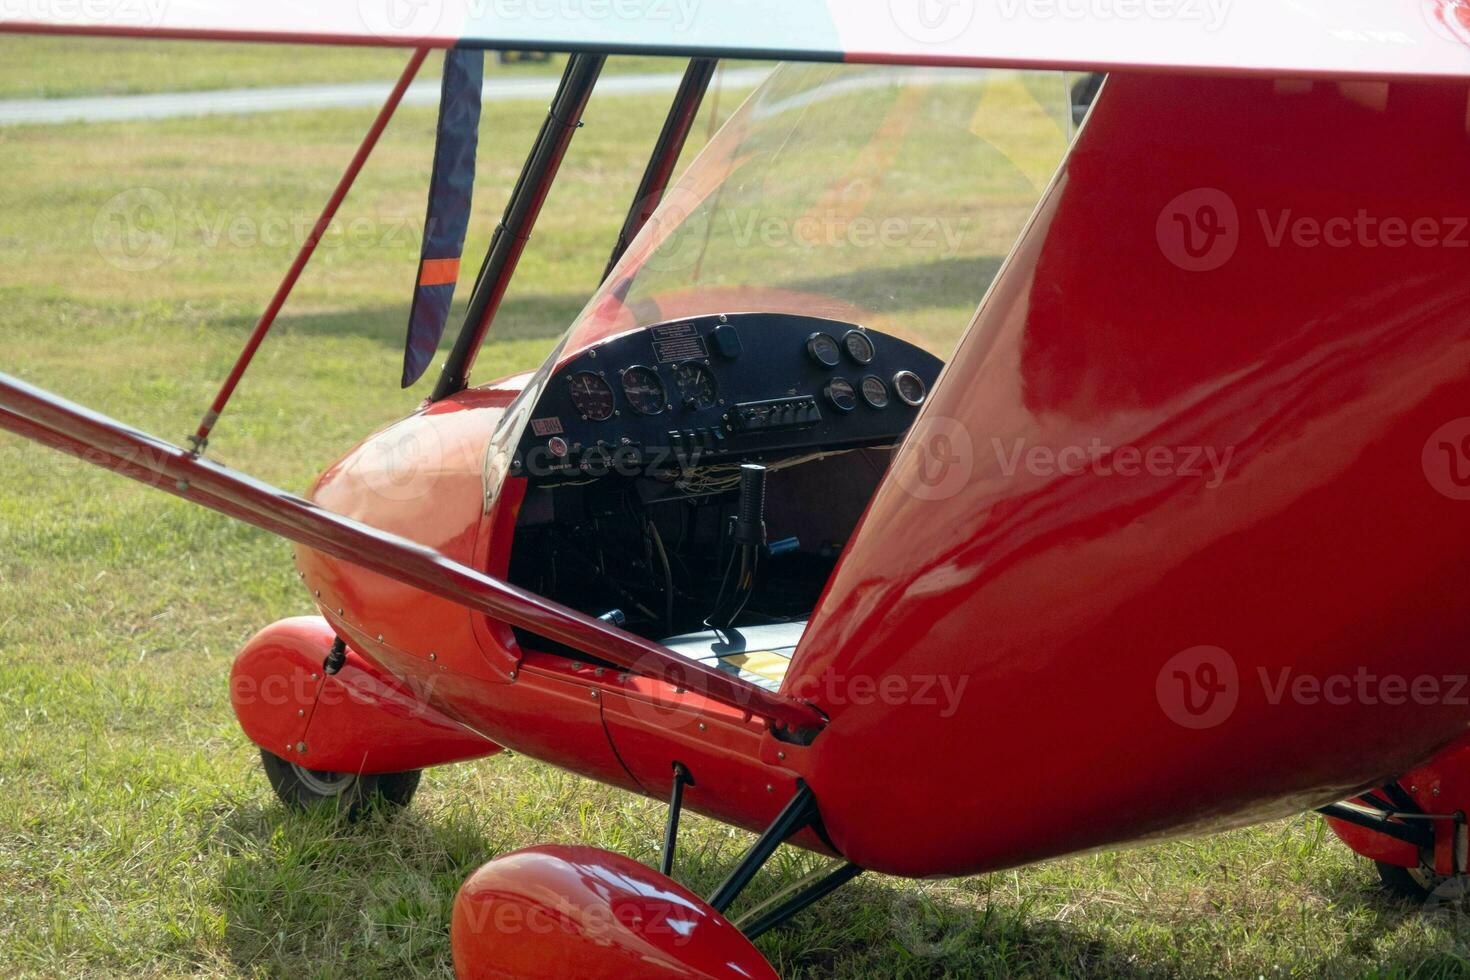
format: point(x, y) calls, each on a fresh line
point(1172, 543)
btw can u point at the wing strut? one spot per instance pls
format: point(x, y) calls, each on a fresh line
point(200, 438)
point(94, 438)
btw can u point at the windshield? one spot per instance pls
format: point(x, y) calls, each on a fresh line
point(876, 195)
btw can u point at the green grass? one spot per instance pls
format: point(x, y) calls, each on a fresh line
point(138, 836)
point(38, 67)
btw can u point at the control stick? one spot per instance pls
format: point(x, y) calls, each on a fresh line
point(749, 534)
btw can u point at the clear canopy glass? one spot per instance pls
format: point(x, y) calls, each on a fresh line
point(875, 195)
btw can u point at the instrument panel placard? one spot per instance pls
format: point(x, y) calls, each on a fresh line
point(678, 342)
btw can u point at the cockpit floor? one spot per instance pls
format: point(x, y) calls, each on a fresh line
point(757, 654)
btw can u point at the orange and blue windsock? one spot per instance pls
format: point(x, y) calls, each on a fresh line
point(451, 189)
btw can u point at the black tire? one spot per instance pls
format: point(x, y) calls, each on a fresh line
point(1413, 884)
point(351, 794)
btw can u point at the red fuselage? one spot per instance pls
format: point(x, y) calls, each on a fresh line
point(1190, 452)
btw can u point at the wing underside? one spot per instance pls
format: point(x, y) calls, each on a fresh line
point(1334, 38)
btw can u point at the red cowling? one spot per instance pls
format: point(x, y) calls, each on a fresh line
point(359, 719)
point(1050, 592)
point(553, 912)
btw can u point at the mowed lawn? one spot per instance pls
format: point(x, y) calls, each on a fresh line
point(36, 67)
point(138, 836)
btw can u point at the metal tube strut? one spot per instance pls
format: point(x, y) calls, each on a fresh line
point(1362, 817)
point(676, 803)
point(200, 438)
point(521, 210)
point(802, 900)
point(54, 421)
point(798, 814)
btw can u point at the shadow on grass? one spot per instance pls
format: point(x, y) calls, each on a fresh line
point(943, 282)
point(537, 317)
point(310, 894)
point(1378, 914)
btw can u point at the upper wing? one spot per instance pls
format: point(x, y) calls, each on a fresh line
point(1340, 38)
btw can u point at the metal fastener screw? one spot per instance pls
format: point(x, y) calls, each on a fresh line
point(380, 637)
point(300, 712)
point(780, 755)
point(593, 693)
point(433, 656)
point(301, 747)
point(770, 788)
point(701, 726)
point(313, 676)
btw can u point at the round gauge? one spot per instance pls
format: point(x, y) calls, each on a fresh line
point(875, 392)
point(645, 390)
point(910, 387)
point(859, 346)
point(591, 395)
point(839, 392)
point(696, 384)
point(823, 349)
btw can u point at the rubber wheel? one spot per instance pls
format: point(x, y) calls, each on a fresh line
point(351, 794)
point(1417, 884)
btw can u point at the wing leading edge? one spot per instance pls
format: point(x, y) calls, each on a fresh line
point(1323, 38)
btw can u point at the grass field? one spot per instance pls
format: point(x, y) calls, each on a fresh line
point(55, 67)
point(138, 836)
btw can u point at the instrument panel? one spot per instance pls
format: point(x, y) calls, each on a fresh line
point(722, 389)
